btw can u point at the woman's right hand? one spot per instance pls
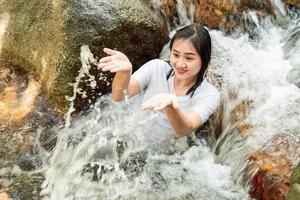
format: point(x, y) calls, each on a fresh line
point(116, 61)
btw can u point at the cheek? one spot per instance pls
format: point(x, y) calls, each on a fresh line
point(172, 61)
point(196, 67)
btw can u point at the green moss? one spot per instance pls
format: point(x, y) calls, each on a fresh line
point(294, 191)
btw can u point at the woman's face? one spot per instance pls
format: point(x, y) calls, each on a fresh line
point(185, 60)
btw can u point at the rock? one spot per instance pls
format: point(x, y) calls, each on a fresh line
point(225, 14)
point(295, 3)
point(291, 51)
point(270, 175)
point(4, 195)
point(28, 162)
point(269, 170)
point(26, 187)
point(294, 191)
point(237, 116)
point(293, 76)
point(296, 174)
point(48, 139)
point(18, 93)
point(241, 111)
point(46, 36)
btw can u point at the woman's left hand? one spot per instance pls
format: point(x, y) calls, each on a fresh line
point(160, 101)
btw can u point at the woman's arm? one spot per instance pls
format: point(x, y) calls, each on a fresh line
point(182, 124)
point(118, 62)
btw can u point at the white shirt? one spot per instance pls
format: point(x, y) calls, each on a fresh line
point(152, 79)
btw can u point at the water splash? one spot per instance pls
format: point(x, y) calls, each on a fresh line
point(115, 151)
point(261, 69)
point(185, 13)
point(279, 9)
point(108, 151)
point(87, 59)
point(185, 16)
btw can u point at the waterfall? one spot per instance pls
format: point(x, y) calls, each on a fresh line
point(116, 151)
point(113, 150)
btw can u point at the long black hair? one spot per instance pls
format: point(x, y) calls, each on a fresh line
point(201, 40)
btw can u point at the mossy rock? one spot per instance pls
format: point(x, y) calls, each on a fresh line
point(46, 36)
point(294, 191)
point(26, 187)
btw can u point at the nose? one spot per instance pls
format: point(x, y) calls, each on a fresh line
point(180, 63)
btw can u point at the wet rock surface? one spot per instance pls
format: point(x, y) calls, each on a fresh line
point(272, 179)
point(291, 50)
point(48, 40)
point(270, 170)
point(217, 14)
point(294, 191)
point(295, 3)
point(22, 148)
point(26, 187)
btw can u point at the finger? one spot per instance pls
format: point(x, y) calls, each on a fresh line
point(105, 59)
point(147, 105)
point(101, 65)
point(110, 51)
point(160, 106)
point(108, 67)
point(116, 69)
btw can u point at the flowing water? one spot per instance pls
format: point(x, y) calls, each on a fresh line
point(117, 151)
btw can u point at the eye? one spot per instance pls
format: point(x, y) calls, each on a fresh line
point(189, 58)
point(176, 55)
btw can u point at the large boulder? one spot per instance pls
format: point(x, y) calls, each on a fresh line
point(269, 171)
point(46, 36)
point(270, 175)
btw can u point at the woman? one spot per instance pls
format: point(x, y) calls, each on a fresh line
point(180, 90)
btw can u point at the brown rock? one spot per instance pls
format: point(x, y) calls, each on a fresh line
point(295, 3)
point(269, 170)
point(18, 92)
point(169, 8)
point(216, 13)
point(243, 129)
point(269, 175)
point(241, 111)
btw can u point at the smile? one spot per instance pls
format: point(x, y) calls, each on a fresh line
point(181, 71)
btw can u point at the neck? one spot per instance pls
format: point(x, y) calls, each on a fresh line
point(182, 86)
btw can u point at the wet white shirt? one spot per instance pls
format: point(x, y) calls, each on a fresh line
point(152, 79)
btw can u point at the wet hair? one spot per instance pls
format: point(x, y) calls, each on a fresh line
point(201, 40)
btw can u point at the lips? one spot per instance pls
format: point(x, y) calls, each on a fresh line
point(181, 71)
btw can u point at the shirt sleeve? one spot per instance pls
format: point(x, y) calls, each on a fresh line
point(143, 74)
point(206, 105)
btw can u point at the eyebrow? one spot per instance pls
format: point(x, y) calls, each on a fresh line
point(188, 53)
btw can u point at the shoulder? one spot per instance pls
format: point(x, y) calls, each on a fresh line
point(157, 62)
point(207, 89)
point(206, 100)
point(158, 65)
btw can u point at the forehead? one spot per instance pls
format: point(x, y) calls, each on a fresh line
point(184, 45)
